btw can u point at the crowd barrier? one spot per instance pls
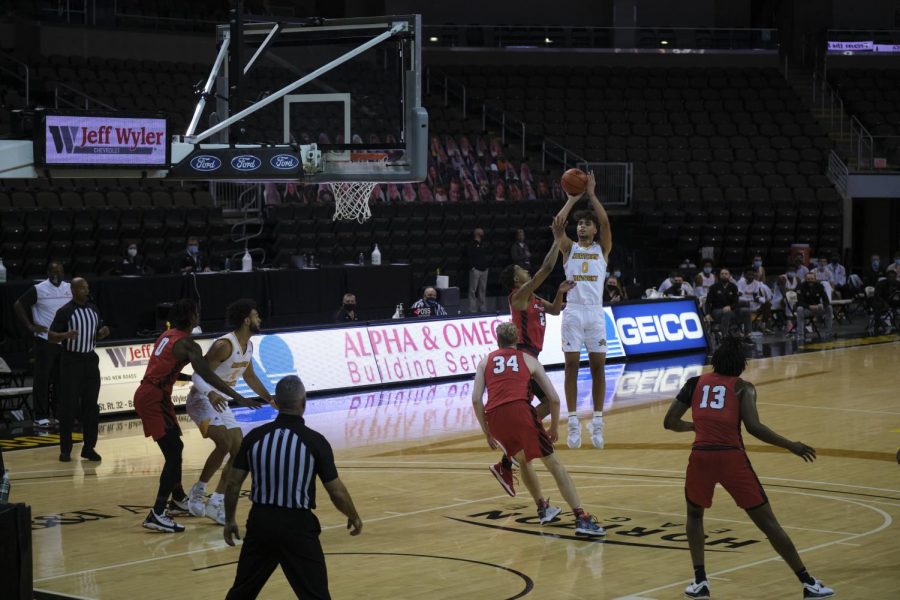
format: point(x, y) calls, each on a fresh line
point(408, 350)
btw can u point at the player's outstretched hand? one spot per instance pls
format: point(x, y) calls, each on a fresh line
point(354, 525)
point(591, 184)
point(231, 533)
point(566, 285)
point(253, 403)
point(558, 227)
point(218, 401)
point(805, 452)
point(553, 433)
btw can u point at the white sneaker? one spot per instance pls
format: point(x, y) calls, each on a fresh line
point(697, 591)
point(596, 429)
point(574, 437)
point(817, 590)
point(196, 501)
point(161, 523)
point(216, 512)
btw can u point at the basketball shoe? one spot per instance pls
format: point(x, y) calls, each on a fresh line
point(178, 508)
point(574, 437)
point(197, 500)
point(697, 590)
point(216, 512)
point(596, 429)
point(586, 524)
point(504, 477)
point(816, 590)
point(161, 523)
point(547, 513)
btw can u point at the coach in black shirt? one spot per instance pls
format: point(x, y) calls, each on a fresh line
point(812, 300)
point(722, 304)
point(284, 456)
point(77, 326)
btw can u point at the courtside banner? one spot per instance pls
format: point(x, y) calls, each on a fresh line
point(70, 140)
point(655, 327)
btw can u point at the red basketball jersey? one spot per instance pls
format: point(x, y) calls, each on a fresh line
point(163, 368)
point(531, 324)
point(716, 412)
point(506, 377)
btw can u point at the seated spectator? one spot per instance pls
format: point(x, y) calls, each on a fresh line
point(894, 266)
point(678, 287)
point(813, 300)
point(823, 273)
point(409, 193)
point(722, 304)
point(425, 193)
point(887, 296)
point(669, 282)
point(193, 261)
point(133, 263)
point(455, 191)
point(291, 195)
point(520, 253)
point(758, 268)
point(484, 192)
point(757, 297)
point(393, 193)
point(799, 266)
point(543, 192)
point(471, 192)
point(347, 311)
point(839, 276)
point(704, 280)
point(428, 305)
point(789, 282)
point(440, 193)
point(613, 292)
point(873, 273)
point(271, 196)
point(528, 190)
point(499, 192)
point(326, 196)
point(310, 193)
point(515, 192)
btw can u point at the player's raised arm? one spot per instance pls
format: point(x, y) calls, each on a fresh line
point(188, 349)
point(523, 293)
point(540, 376)
point(746, 392)
point(555, 307)
point(565, 242)
point(478, 401)
point(605, 233)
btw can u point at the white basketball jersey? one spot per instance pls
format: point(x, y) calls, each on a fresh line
point(587, 267)
point(231, 369)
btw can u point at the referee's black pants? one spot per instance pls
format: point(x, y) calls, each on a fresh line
point(285, 536)
point(79, 387)
point(46, 374)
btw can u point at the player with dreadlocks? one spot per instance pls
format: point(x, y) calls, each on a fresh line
point(720, 401)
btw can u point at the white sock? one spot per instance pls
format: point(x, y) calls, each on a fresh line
point(217, 498)
point(573, 415)
point(598, 414)
point(200, 487)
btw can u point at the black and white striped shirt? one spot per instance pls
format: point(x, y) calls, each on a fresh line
point(83, 318)
point(284, 457)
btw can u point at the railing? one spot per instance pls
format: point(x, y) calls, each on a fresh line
point(614, 181)
point(559, 154)
point(237, 198)
point(25, 77)
point(82, 100)
point(838, 172)
point(70, 11)
point(862, 146)
point(827, 100)
point(676, 40)
point(506, 121)
point(450, 88)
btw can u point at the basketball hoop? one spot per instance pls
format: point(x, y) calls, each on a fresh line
point(351, 198)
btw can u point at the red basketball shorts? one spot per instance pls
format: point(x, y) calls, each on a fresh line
point(516, 427)
point(731, 469)
point(156, 411)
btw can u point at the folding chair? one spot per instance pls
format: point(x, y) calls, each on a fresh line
point(13, 394)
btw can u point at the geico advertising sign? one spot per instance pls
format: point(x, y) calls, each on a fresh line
point(653, 327)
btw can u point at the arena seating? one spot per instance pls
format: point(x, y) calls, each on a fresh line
point(873, 96)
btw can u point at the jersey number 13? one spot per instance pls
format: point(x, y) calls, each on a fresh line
point(718, 399)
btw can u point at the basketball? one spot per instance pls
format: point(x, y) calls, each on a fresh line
point(574, 182)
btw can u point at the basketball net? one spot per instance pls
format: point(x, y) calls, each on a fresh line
point(351, 198)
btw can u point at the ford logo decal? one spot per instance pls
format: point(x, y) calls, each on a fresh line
point(245, 162)
point(284, 162)
point(204, 162)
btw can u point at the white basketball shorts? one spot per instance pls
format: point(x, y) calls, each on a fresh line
point(583, 325)
point(202, 413)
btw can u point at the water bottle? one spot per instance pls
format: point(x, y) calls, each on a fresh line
point(247, 262)
point(398, 314)
point(361, 260)
point(376, 256)
point(312, 261)
point(3, 271)
point(227, 264)
point(4, 488)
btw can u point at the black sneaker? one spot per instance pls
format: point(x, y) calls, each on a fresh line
point(178, 508)
point(161, 523)
point(697, 591)
point(90, 454)
point(64, 457)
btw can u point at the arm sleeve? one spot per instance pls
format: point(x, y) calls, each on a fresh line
point(29, 298)
point(60, 322)
point(241, 459)
point(687, 391)
point(325, 466)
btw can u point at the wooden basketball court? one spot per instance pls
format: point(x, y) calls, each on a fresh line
point(437, 525)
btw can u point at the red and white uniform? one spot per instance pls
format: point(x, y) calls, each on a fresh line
point(531, 323)
point(718, 453)
point(511, 419)
point(153, 398)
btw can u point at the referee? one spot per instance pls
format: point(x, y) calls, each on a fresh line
point(284, 457)
point(78, 326)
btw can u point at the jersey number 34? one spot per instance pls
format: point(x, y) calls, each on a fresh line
point(509, 362)
point(718, 400)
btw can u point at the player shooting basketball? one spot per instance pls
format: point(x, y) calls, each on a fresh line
point(583, 320)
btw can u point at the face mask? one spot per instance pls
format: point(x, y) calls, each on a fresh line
point(875, 265)
point(757, 263)
point(55, 279)
point(791, 274)
point(132, 252)
point(707, 270)
point(617, 274)
point(193, 249)
point(349, 307)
